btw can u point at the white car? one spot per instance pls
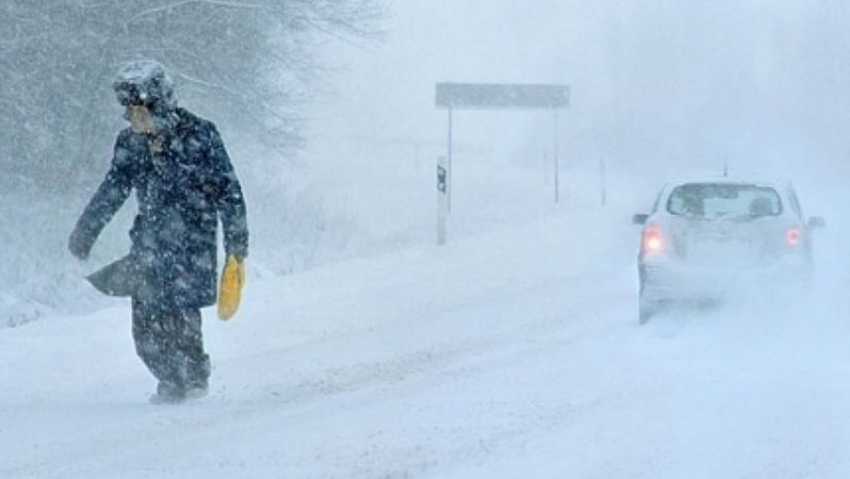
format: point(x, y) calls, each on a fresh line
point(707, 238)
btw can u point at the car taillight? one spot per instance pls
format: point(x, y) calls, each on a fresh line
point(793, 236)
point(653, 242)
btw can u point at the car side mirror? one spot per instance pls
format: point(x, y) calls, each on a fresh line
point(640, 219)
point(816, 222)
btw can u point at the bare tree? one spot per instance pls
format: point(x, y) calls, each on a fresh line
point(251, 60)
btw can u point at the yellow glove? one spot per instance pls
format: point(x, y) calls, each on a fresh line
point(230, 292)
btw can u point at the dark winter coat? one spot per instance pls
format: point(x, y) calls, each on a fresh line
point(184, 183)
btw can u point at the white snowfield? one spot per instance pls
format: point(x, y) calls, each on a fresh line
point(509, 353)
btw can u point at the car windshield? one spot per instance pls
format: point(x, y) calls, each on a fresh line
point(713, 200)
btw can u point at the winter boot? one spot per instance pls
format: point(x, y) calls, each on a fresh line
point(197, 385)
point(168, 393)
point(196, 389)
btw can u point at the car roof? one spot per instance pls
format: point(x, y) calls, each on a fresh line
point(725, 180)
point(782, 186)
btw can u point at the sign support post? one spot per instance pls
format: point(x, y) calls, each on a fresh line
point(555, 149)
point(450, 148)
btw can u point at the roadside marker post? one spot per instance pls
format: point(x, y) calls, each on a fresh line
point(442, 199)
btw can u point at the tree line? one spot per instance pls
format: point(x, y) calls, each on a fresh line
point(251, 60)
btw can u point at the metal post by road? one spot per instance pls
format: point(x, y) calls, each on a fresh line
point(555, 154)
point(449, 178)
point(442, 203)
point(603, 180)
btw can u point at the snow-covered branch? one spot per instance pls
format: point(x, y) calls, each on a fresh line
point(174, 6)
point(251, 62)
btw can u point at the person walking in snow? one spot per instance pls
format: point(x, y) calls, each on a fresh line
point(184, 183)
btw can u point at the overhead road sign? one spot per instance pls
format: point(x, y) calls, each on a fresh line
point(494, 96)
point(452, 96)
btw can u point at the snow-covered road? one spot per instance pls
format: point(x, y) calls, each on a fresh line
point(514, 353)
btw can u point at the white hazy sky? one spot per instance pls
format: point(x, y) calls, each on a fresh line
point(660, 83)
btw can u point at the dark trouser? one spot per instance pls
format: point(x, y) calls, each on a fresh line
point(171, 345)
